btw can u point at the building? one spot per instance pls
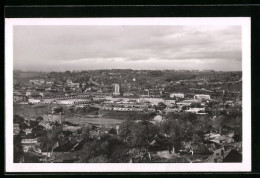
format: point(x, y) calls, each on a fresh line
point(19, 98)
point(187, 102)
point(52, 118)
point(200, 97)
point(157, 119)
point(29, 141)
point(153, 101)
point(34, 101)
point(196, 110)
point(177, 95)
point(16, 129)
point(116, 89)
point(37, 82)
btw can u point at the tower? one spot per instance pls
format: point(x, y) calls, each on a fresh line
point(116, 89)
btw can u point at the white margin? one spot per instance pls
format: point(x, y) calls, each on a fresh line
point(130, 167)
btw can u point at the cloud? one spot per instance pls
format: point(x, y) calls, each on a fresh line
point(83, 47)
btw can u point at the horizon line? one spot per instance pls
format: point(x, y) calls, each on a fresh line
point(78, 70)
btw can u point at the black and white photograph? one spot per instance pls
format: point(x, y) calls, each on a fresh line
point(131, 91)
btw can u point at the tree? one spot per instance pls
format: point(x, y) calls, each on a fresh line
point(180, 127)
point(108, 149)
point(125, 130)
point(160, 106)
point(39, 119)
point(18, 149)
point(217, 122)
point(142, 133)
point(112, 131)
point(18, 119)
point(137, 134)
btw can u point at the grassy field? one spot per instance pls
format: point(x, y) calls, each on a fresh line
point(33, 111)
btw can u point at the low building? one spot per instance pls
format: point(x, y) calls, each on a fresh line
point(200, 97)
point(28, 131)
point(187, 102)
point(158, 119)
point(29, 141)
point(34, 101)
point(177, 95)
point(19, 98)
point(71, 128)
point(52, 118)
point(46, 125)
point(153, 101)
point(16, 129)
point(195, 110)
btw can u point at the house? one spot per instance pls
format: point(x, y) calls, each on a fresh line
point(19, 98)
point(29, 141)
point(200, 97)
point(37, 82)
point(233, 156)
point(230, 103)
point(34, 101)
point(222, 139)
point(160, 142)
point(28, 131)
point(177, 95)
point(52, 118)
point(16, 129)
point(49, 82)
point(67, 147)
point(71, 128)
point(46, 125)
point(152, 101)
point(195, 110)
point(157, 119)
point(187, 102)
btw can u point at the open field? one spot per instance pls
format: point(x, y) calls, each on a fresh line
point(33, 111)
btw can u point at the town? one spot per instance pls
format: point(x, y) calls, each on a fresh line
point(127, 116)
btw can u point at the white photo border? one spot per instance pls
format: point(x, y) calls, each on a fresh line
point(245, 166)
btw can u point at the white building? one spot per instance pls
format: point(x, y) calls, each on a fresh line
point(177, 95)
point(200, 97)
point(37, 82)
point(157, 119)
point(153, 101)
point(116, 89)
point(195, 110)
point(187, 102)
point(34, 101)
point(29, 141)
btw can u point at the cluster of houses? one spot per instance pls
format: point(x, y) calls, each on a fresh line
point(49, 138)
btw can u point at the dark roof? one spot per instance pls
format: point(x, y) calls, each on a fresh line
point(233, 156)
point(65, 148)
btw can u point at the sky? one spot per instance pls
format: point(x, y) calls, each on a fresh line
point(60, 48)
